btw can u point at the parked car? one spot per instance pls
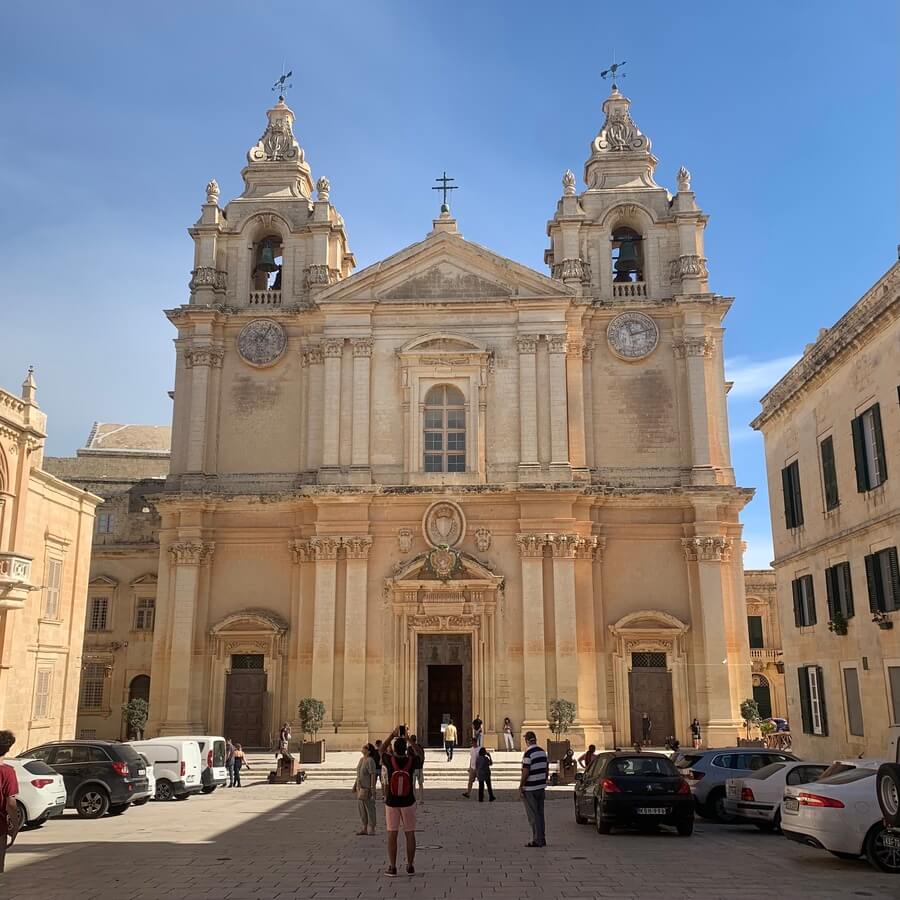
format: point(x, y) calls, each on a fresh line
point(100, 776)
point(840, 814)
point(150, 793)
point(176, 766)
point(628, 789)
point(212, 759)
point(707, 771)
point(42, 792)
point(756, 798)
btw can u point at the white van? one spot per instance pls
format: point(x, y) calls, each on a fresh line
point(176, 765)
point(212, 759)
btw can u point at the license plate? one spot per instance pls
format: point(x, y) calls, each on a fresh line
point(142, 771)
point(732, 791)
point(791, 804)
point(891, 840)
point(651, 810)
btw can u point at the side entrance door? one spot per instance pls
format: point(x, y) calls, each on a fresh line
point(245, 694)
point(650, 690)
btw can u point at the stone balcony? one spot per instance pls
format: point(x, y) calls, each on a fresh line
point(15, 580)
point(623, 289)
point(265, 298)
point(760, 657)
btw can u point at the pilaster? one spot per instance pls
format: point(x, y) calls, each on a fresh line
point(528, 448)
point(315, 405)
point(200, 359)
point(559, 427)
point(362, 359)
point(695, 350)
point(575, 396)
point(354, 706)
point(531, 550)
point(563, 548)
point(333, 349)
point(324, 550)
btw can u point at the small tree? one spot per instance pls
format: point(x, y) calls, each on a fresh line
point(750, 713)
point(135, 713)
point(561, 716)
point(312, 715)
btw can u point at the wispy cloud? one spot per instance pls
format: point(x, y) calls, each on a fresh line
point(752, 378)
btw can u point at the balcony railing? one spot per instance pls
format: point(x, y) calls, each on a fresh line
point(15, 578)
point(629, 289)
point(265, 298)
point(767, 654)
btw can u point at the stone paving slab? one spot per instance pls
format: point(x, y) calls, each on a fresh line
point(297, 841)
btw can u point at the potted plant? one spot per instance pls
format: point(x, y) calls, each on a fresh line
point(838, 623)
point(312, 716)
point(134, 715)
point(560, 719)
point(882, 621)
point(750, 714)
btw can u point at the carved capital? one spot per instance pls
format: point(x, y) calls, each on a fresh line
point(318, 275)
point(333, 347)
point(591, 548)
point(565, 546)
point(362, 347)
point(700, 346)
point(191, 553)
point(574, 269)
point(311, 355)
point(531, 546)
point(587, 350)
point(324, 548)
point(557, 343)
point(575, 350)
point(357, 546)
point(204, 356)
point(526, 343)
point(715, 548)
point(688, 266)
point(300, 550)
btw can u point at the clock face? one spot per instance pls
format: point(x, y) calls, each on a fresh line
point(632, 335)
point(261, 342)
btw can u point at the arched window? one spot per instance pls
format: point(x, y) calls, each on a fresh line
point(139, 689)
point(267, 264)
point(627, 255)
point(445, 429)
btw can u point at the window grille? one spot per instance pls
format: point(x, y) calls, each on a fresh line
point(92, 686)
point(646, 660)
point(247, 661)
point(98, 613)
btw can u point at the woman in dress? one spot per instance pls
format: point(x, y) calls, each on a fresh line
point(508, 735)
point(364, 788)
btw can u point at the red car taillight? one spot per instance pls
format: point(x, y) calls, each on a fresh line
point(121, 768)
point(747, 794)
point(819, 801)
point(610, 787)
point(683, 788)
point(41, 782)
point(209, 759)
point(183, 769)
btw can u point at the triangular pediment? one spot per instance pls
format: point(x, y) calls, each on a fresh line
point(444, 268)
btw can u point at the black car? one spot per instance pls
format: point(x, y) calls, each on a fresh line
point(634, 790)
point(100, 776)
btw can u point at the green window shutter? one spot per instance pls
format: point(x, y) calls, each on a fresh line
point(859, 455)
point(795, 587)
point(786, 487)
point(805, 706)
point(811, 594)
point(831, 592)
point(797, 495)
point(829, 473)
point(873, 582)
point(847, 583)
point(895, 578)
point(879, 441)
point(822, 714)
point(755, 631)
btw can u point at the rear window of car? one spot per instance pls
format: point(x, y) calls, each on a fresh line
point(641, 766)
point(688, 760)
point(38, 767)
point(127, 754)
point(767, 771)
point(218, 753)
point(835, 769)
point(848, 777)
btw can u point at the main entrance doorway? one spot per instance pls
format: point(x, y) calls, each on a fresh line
point(650, 690)
point(444, 685)
point(245, 693)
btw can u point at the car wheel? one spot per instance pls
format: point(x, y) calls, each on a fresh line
point(889, 792)
point(116, 809)
point(884, 858)
point(182, 796)
point(685, 828)
point(716, 804)
point(140, 802)
point(91, 802)
point(164, 789)
point(601, 826)
point(23, 818)
point(840, 855)
point(579, 819)
point(209, 788)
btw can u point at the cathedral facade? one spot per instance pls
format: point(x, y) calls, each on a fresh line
point(448, 484)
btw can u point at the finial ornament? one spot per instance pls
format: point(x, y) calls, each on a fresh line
point(29, 388)
point(212, 191)
point(612, 73)
point(684, 180)
point(568, 183)
point(281, 86)
point(323, 187)
point(445, 187)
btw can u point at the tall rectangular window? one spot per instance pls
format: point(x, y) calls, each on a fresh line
point(804, 601)
point(51, 589)
point(42, 683)
point(92, 678)
point(868, 449)
point(104, 523)
point(883, 580)
point(143, 613)
point(854, 704)
point(755, 629)
point(793, 502)
point(98, 614)
point(829, 473)
point(812, 700)
point(893, 673)
point(839, 589)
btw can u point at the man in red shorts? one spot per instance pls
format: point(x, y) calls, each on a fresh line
point(399, 762)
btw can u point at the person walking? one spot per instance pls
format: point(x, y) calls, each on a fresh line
point(587, 757)
point(473, 759)
point(532, 788)
point(449, 739)
point(9, 788)
point(695, 733)
point(229, 761)
point(508, 735)
point(478, 729)
point(238, 762)
point(377, 759)
point(483, 765)
point(419, 772)
point(399, 799)
point(364, 788)
point(284, 738)
point(646, 729)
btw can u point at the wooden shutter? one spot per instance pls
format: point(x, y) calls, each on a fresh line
point(895, 578)
point(829, 473)
point(822, 714)
point(846, 581)
point(859, 455)
point(873, 580)
point(797, 496)
point(879, 442)
point(811, 594)
point(831, 592)
point(788, 497)
point(795, 587)
point(805, 705)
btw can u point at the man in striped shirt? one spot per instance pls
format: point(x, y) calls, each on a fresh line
point(532, 786)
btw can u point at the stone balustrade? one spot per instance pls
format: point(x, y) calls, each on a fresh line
point(265, 298)
point(623, 289)
point(15, 578)
point(767, 654)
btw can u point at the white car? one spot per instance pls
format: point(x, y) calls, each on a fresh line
point(756, 798)
point(42, 791)
point(142, 797)
point(840, 814)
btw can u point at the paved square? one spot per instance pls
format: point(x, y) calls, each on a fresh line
point(272, 841)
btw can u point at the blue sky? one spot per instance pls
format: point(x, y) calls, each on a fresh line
point(116, 115)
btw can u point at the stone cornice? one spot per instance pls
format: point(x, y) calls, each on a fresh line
point(875, 310)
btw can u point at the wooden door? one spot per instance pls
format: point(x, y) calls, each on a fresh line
point(245, 692)
point(650, 690)
point(444, 698)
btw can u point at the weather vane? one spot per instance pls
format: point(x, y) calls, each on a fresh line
point(613, 72)
point(445, 186)
point(281, 86)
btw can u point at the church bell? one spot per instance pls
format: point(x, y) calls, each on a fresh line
point(628, 260)
point(266, 260)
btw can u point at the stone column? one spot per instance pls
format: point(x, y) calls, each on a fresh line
point(695, 351)
point(709, 554)
point(315, 407)
point(325, 550)
point(531, 548)
point(355, 632)
point(200, 360)
point(559, 427)
point(587, 593)
point(563, 548)
point(187, 557)
point(591, 449)
point(528, 458)
point(575, 395)
point(333, 350)
point(301, 553)
point(362, 358)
